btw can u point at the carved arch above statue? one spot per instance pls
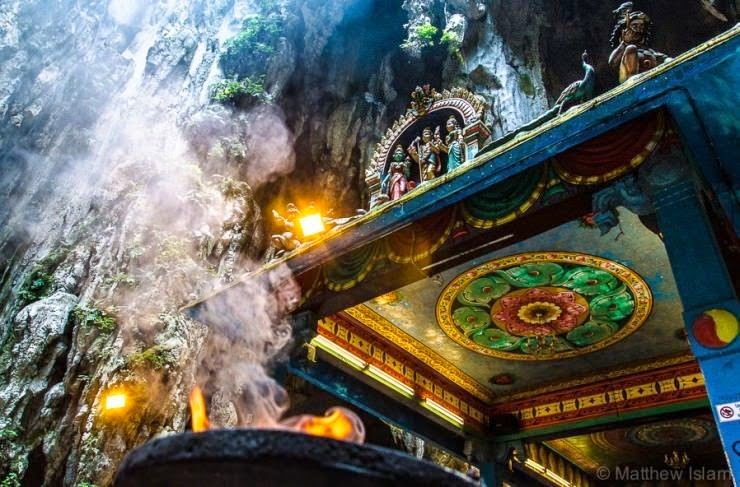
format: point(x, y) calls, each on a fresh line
point(428, 108)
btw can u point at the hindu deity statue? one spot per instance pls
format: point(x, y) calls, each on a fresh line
point(288, 238)
point(630, 41)
point(425, 150)
point(453, 144)
point(396, 182)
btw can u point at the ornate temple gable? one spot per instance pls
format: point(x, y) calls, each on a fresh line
point(452, 117)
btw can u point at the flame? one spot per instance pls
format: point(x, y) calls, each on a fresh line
point(199, 417)
point(312, 225)
point(338, 423)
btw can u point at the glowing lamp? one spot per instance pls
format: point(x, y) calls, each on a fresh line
point(312, 225)
point(116, 400)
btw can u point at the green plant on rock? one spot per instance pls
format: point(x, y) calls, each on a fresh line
point(39, 282)
point(8, 434)
point(156, 357)
point(233, 91)
point(95, 317)
point(120, 278)
point(450, 39)
point(11, 480)
point(426, 33)
point(136, 250)
point(453, 42)
point(85, 484)
point(247, 53)
point(16, 467)
point(36, 286)
point(526, 85)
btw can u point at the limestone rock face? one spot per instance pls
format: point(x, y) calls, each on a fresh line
point(41, 330)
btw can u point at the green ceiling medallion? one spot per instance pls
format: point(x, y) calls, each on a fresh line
point(543, 305)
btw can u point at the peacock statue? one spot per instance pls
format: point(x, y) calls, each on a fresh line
point(579, 91)
point(574, 94)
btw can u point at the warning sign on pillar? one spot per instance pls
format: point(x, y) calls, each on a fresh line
point(728, 412)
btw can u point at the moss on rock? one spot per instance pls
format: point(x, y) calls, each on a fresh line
point(247, 53)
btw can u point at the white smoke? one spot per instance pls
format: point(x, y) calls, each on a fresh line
point(249, 330)
point(127, 12)
point(162, 200)
point(271, 146)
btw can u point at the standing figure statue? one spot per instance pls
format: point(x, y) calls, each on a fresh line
point(425, 152)
point(289, 228)
point(396, 181)
point(630, 41)
point(453, 144)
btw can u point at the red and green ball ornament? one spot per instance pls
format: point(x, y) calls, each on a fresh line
point(716, 328)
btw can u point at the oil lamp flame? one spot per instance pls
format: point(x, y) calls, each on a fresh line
point(312, 225)
point(115, 400)
point(338, 423)
point(199, 417)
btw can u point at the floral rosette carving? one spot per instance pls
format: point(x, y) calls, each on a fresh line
point(543, 305)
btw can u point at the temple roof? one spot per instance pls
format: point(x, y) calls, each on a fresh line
point(390, 287)
point(699, 75)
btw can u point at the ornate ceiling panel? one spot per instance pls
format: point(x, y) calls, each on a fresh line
point(565, 305)
point(543, 305)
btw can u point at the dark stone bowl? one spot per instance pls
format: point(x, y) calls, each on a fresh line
point(254, 457)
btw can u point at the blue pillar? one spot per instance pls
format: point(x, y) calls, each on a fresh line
point(704, 284)
point(491, 474)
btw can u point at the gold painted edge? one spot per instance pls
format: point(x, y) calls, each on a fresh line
point(636, 161)
point(534, 197)
point(377, 323)
point(597, 376)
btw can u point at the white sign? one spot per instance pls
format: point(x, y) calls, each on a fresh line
point(728, 412)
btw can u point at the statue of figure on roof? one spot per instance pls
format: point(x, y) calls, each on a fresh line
point(396, 182)
point(630, 40)
point(453, 144)
point(421, 99)
point(289, 229)
point(424, 151)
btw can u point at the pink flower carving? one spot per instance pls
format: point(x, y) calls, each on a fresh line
point(540, 312)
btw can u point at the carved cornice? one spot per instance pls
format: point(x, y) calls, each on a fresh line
point(659, 382)
point(368, 318)
point(643, 368)
point(669, 385)
point(425, 381)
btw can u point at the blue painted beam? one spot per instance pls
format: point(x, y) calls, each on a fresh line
point(580, 125)
point(362, 396)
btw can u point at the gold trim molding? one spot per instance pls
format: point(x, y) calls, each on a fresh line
point(394, 335)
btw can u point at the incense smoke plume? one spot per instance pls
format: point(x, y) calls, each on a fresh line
point(144, 192)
